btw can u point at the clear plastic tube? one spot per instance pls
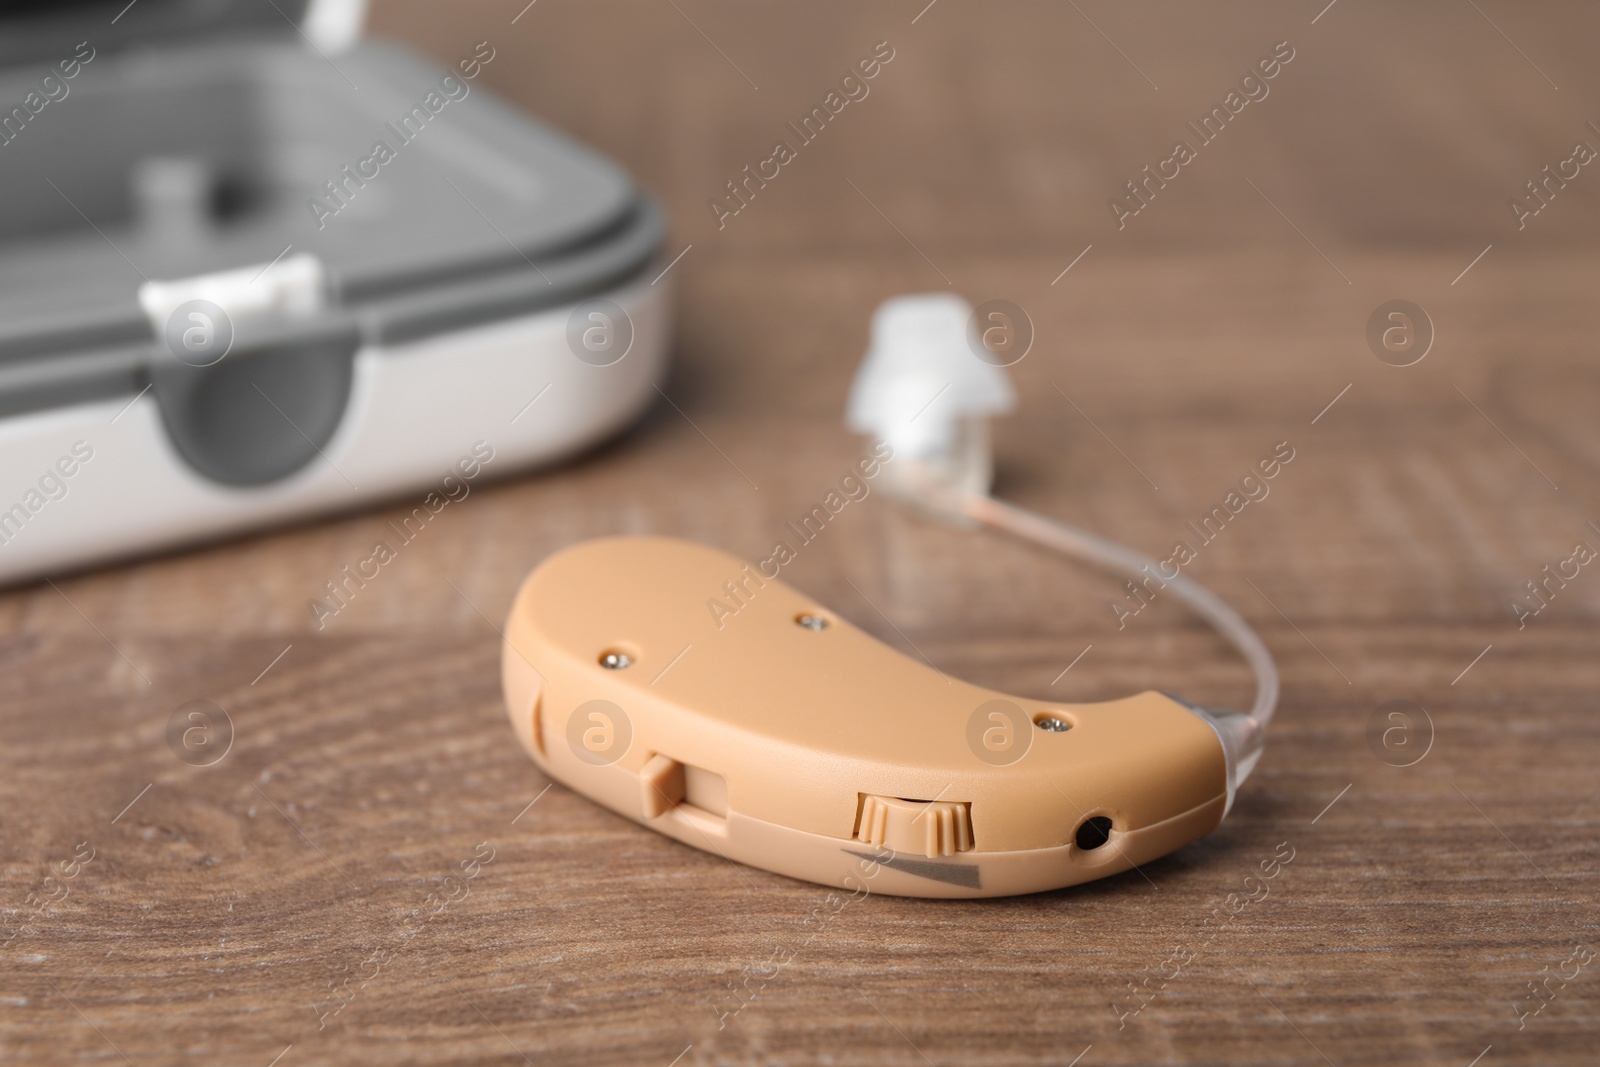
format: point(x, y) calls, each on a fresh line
point(1242, 733)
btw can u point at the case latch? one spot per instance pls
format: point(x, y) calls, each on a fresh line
point(268, 410)
point(293, 287)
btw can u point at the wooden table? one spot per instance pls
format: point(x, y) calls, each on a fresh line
point(228, 910)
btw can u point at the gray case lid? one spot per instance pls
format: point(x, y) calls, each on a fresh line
point(170, 139)
point(47, 29)
point(480, 212)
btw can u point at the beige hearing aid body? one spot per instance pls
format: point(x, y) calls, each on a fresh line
point(774, 733)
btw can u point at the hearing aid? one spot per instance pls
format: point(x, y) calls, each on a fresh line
point(781, 736)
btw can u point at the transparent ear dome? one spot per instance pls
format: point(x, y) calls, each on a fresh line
point(922, 389)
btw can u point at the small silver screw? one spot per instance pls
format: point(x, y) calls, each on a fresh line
point(1053, 724)
point(812, 622)
point(616, 661)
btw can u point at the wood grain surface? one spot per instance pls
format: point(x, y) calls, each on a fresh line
point(285, 901)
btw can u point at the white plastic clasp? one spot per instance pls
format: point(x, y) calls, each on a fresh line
point(333, 26)
point(923, 389)
point(293, 287)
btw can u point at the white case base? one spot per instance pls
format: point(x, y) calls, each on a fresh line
point(414, 410)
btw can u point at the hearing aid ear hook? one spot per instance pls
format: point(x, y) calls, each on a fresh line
point(924, 389)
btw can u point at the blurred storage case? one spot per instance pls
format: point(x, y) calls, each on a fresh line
point(253, 267)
